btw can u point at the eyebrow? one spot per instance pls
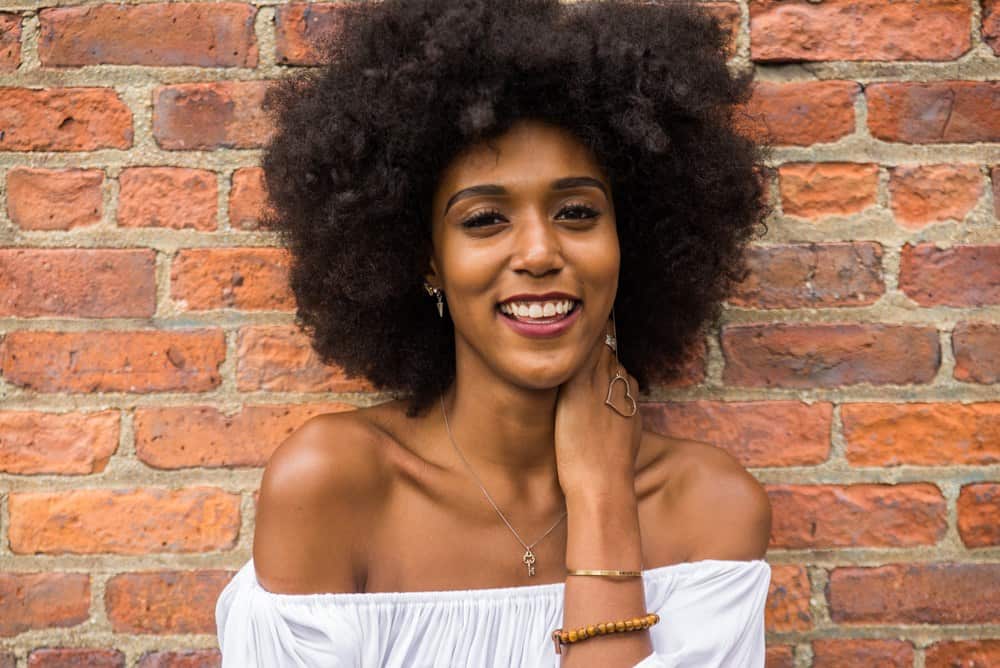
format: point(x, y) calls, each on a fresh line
point(493, 189)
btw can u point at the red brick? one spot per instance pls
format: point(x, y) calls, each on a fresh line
point(797, 30)
point(42, 601)
point(75, 657)
point(757, 433)
point(301, 28)
point(995, 179)
point(171, 197)
point(248, 199)
point(991, 24)
point(10, 43)
point(963, 654)
point(138, 361)
point(837, 653)
point(923, 593)
point(787, 606)
point(922, 434)
point(164, 601)
point(280, 358)
point(203, 436)
point(957, 276)
point(934, 112)
point(160, 34)
point(250, 279)
point(779, 656)
point(924, 194)
point(222, 114)
point(77, 282)
point(63, 119)
point(811, 276)
point(54, 199)
point(8, 660)
point(64, 443)
point(821, 516)
point(805, 113)
point(976, 346)
point(195, 658)
point(817, 189)
point(89, 521)
point(828, 355)
point(978, 510)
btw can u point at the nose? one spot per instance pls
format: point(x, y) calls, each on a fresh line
point(537, 246)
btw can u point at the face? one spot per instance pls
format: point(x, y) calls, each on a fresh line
point(526, 225)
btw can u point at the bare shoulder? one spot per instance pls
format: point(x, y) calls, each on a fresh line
point(716, 505)
point(319, 494)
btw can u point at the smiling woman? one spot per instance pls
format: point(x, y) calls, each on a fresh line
point(567, 183)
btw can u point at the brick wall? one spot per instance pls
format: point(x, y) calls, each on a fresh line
point(148, 362)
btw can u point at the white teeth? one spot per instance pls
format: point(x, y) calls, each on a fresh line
point(537, 309)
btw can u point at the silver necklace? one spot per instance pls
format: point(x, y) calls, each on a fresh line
point(529, 556)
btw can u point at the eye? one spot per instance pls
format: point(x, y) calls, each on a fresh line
point(481, 218)
point(580, 211)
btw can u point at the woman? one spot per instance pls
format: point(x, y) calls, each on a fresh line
point(567, 184)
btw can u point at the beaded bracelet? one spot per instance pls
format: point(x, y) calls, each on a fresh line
point(560, 637)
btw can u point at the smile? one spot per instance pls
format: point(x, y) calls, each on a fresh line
point(540, 319)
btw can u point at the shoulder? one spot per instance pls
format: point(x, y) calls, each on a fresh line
point(715, 503)
point(319, 494)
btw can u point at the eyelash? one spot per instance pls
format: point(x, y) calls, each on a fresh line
point(489, 214)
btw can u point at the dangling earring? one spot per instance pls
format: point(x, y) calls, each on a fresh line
point(435, 292)
point(611, 340)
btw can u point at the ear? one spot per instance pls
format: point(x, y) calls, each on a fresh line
point(432, 276)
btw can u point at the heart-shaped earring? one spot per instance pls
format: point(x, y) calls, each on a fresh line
point(628, 394)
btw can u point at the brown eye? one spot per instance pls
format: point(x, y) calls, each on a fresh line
point(580, 211)
point(481, 218)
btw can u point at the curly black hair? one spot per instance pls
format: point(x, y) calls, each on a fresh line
point(360, 141)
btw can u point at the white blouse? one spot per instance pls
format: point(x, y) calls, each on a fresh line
point(711, 614)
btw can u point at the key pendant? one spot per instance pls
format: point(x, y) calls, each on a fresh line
point(529, 561)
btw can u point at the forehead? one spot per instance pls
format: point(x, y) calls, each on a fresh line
point(530, 153)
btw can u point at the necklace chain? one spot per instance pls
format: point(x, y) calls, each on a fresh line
point(529, 557)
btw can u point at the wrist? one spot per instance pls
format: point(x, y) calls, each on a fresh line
point(602, 494)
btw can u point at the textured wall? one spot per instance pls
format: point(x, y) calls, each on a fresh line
point(148, 364)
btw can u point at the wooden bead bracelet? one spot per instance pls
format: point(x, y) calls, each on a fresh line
point(560, 637)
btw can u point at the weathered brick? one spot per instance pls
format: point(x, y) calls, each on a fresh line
point(203, 436)
point(822, 516)
point(241, 278)
point(920, 593)
point(805, 113)
point(248, 199)
point(923, 434)
point(77, 282)
point(171, 197)
point(8, 660)
point(934, 112)
point(995, 179)
point(963, 654)
point(10, 41)
point(991, 24)
point(75, 657)
point(976, 346)
point(757, 433)
point(42, 601)
point(221, 114)
point(113, 361)
point(64, 443)
point(978, 510)
point(301, 28)
point(164, 601)
point(962, 275)
point(159, 34)
point(787, 606)
point(797, 30)
point(924, 194)
point(195, 658)
point(817, 189)
point(63, 119)
point(89, 521)
point(54, 199)
point(829, 355)
point(280, 358)
point(779, 656)
point(838, 653)
point(811, 276)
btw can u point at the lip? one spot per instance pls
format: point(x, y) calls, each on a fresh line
point(542, 330)
point(524, 296)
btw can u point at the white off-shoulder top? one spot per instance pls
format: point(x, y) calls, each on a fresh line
point(711, 614)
